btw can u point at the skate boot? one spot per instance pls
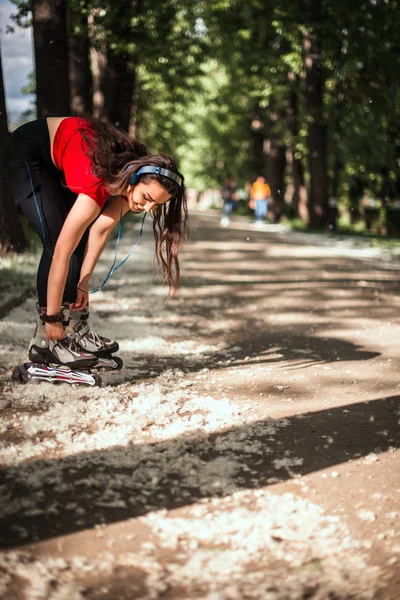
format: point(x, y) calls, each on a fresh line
point(58, 352)
point(89, 341)
point(56, 361)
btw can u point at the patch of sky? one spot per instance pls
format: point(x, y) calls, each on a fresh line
point(17, 61)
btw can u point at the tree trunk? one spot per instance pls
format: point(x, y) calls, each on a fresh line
point(12, 237)
point(99, 71)
point(3, 110)
point(113, 87)
point(275, 154)
point(313, 99)
point(276, 163)
point(257, 164)
point(121, 83)
point(80, 75)
point(51, 57)
point(299, 199)
point(114, 71)
point(300, 190)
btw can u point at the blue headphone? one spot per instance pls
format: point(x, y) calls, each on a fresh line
point(135, 176)
point(156, 171)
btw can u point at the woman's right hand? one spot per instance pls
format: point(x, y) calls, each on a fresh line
point(82, 298)
point(55, 331)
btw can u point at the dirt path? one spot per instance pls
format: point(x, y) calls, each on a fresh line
point(249, 449)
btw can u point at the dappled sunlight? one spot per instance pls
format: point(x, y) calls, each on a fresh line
point(241, 401)
point(180, 460)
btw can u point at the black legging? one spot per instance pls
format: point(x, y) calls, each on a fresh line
point(30, 173)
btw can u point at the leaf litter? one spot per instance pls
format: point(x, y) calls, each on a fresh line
point(67, 452)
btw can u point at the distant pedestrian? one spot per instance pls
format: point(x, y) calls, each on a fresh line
point(228, 201)
point(259, 197)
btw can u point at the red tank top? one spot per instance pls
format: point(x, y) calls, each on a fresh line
point(69, 157)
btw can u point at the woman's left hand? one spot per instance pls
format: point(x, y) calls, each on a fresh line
point(82, 298)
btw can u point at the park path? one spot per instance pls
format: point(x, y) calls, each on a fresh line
point(249, 448)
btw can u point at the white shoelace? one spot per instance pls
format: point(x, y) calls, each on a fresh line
point(70, 344)
point(95, 336)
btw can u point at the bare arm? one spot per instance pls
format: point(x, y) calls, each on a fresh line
point(98, 236)
point(83, 212)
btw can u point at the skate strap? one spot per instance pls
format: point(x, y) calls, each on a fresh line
point(114, 268)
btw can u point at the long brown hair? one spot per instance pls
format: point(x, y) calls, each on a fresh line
point(115, 157)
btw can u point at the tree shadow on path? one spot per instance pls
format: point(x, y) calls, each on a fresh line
point(275, 347)
point(49, 498)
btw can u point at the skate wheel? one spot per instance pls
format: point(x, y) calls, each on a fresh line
point(118, 363)
point(97, 379)
point(19, 376)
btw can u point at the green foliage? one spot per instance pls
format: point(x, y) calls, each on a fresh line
point(30, 90)
point(363, 69)
point(214, 79)
point(22, 18)
point(259, 49)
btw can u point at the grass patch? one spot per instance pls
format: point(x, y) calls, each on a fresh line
point(345, 231)
point(17, 275)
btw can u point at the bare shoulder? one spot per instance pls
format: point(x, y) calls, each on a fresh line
point(53, 124)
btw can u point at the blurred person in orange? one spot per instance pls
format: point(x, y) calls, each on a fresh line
point(259, 196)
